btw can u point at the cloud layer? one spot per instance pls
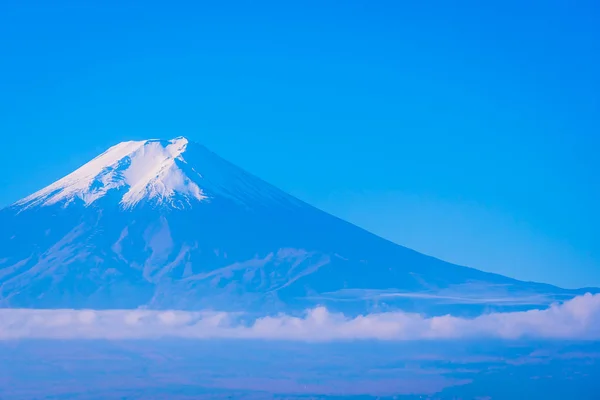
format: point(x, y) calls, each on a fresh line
point(578, 318)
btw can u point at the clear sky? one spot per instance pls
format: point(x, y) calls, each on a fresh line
point(466, 130)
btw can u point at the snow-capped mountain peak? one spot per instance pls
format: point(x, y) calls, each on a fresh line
point(169, 224)
point(175, 173)
point(138, 170)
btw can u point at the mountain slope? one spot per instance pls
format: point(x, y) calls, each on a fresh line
point(168, 224)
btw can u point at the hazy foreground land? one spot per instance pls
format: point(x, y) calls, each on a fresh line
point(186, 369)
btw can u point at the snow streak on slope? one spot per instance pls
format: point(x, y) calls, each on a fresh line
point(147, 170)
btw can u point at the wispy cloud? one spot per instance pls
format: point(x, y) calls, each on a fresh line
point(578, 318)
point(468, 293)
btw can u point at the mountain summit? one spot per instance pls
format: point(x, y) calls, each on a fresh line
point(149, 170)
point(169, 224)
point(174, 173)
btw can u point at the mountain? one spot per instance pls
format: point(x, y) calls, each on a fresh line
point(169, 224)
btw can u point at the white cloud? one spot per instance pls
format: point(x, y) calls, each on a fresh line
point(578, 318)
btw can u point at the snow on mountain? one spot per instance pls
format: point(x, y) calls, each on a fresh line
point(169, 224)
point(145, 169)
point(157, 171)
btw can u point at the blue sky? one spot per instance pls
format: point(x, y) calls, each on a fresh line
point(469, 132)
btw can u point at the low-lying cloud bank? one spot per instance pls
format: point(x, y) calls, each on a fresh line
point(578, 318)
